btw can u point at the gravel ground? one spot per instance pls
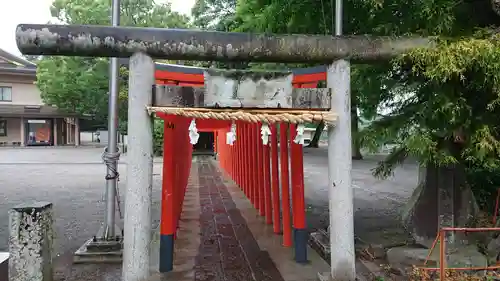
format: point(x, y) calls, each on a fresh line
point(73, 180)
point(377, 203)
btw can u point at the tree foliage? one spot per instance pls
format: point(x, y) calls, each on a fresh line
point(436, 104)
point(214, 14)
point(81, 84)
point(452, 97)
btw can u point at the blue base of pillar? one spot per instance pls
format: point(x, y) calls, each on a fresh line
point(166, 253)
point(300, 237)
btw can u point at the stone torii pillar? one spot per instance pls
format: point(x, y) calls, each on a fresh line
point(137, 218)
point(174, 44)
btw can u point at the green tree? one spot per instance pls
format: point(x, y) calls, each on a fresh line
point(214, 14)
point(371, 85)
point(439, 105)
point(81, 84)
point(294, 17)
point(221, 15)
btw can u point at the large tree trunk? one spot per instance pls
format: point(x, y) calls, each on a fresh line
point(495, 5)
point(317, 135)
point(441, 199)
point(356, 146)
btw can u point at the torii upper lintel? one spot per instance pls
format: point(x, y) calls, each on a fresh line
point(187, 44)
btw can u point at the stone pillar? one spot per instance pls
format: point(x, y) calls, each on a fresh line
point(30, 242)
point(137, 220)
point(23, 133)
point(342, 257)
point(77, 131)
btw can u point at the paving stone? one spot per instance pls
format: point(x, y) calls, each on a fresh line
point(226, 238)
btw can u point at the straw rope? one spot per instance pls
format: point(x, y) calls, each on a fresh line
point(250, 115)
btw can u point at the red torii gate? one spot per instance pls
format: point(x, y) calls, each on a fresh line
point(241, 161)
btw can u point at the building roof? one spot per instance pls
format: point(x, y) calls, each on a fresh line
point(12, 64)
point(33, 111)
point(6, 56)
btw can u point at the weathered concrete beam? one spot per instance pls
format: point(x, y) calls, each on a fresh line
point(243, 89)
point(185, 96)
point(178, 44)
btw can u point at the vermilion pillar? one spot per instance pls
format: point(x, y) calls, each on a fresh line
point(167, 228)
point(298, 200)
point(275, 179)
point(239, 158)
point(285, 185)
point(231, 162)
point(254, 195)
point(215, 143)
point(246, 159)
point(260, 176)
point(267, 182)
point(175, 155)
point(242, 155)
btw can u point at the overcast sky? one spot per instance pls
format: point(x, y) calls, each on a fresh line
point(14, 12)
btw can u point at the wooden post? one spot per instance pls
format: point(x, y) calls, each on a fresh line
point(255, 165)
point(167, 224)
point(298, 201)
point(285, 185)
point(31, 242)
point(260, 176)
point(251, 160)
point(275, 177)
point(246, 169)
point(267, 182)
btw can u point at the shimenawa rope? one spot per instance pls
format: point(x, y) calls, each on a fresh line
point(266, 116)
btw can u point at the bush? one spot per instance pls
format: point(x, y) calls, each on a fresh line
point(158, 136)
point(484, 182)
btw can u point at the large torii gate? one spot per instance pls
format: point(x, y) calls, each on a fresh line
point(143, 44)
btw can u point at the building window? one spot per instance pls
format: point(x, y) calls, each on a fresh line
point(5, 93)
point(3, 128)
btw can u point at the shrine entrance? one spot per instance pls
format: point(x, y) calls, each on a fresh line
point(205, 144)
point(249, 157)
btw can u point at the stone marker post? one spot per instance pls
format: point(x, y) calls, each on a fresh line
point(30, 242)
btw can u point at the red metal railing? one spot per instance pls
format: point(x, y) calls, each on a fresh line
point(441, 239)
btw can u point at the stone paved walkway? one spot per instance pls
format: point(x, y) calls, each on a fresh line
point(228, 250)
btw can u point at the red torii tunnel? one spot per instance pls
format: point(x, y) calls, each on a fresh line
point(256, 168)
